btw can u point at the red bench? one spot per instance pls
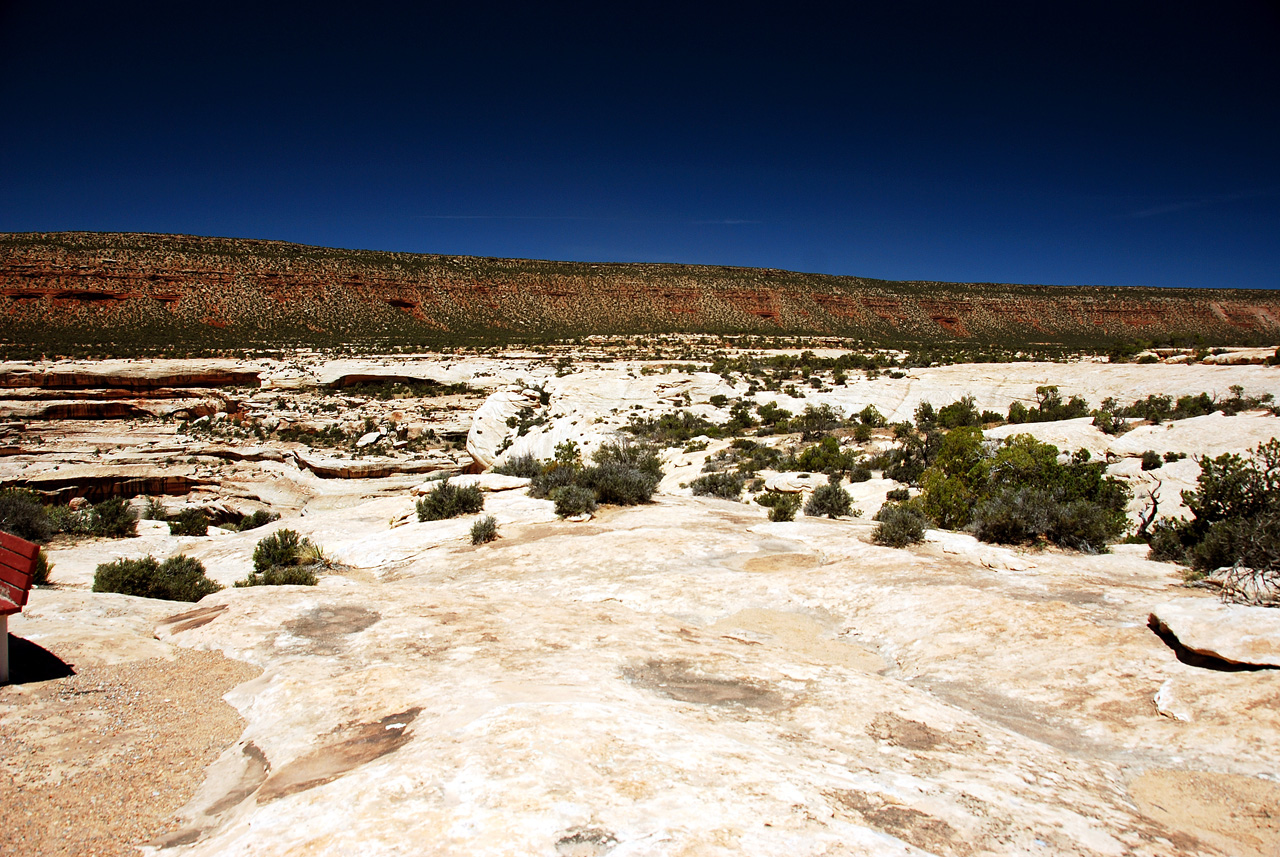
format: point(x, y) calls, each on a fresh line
point(17, 568)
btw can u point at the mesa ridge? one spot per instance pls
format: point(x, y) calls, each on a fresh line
point(140, 291)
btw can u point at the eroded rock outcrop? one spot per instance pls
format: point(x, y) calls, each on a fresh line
point(1235, 633)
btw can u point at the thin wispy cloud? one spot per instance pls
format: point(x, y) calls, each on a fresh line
point(1193, 203)
point(504, 217)
point(723, 222)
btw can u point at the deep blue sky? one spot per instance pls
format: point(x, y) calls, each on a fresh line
point(1106, 143)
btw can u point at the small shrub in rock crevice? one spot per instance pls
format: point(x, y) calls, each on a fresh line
point(447, 500)
point(1151, 460)
point(285, 558)
point(189, 522)
point(178, 578)
point(900, 525)
point(484, 530)
point(830, 501)
point(898, 495)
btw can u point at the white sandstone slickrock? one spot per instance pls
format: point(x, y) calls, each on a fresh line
point(1237, 633)
point(688, 677)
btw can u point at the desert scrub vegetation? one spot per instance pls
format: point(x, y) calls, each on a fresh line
point(448, 500)
point(285, 558)
point(178, 578)
point(782, 506)
point(1049, 408)
point(830, 501)
point(484, 530)
point(573, 500)
point(1019, 492)
point(726, 485)
point(189, 522)
point(257, 518)
point(900, 524)
point(24, 515)
point(1235, 515)
point(622, 473)
point(1114, 419)
point(523, 466)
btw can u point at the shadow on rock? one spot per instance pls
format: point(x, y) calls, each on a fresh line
point(29, 663)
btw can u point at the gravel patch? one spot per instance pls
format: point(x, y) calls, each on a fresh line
point(98, 762)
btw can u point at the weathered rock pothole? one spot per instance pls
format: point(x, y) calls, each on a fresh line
point(680, 680)
point(326, 627)
point(911, 825)
point(586, 842)
point(782, 562)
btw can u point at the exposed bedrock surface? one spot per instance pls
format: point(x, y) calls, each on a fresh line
point(689, 678)
point(683, 677)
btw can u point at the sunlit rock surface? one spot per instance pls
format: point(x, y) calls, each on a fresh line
point(684, 677)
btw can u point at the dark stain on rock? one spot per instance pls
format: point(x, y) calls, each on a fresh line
point(901, 732)
point(191, 619)
point(585, 842)
point(678, 680)
point(361, 743)
point(326, 626)
point(910, 825)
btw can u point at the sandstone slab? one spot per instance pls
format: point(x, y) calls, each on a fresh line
point(1235, 633)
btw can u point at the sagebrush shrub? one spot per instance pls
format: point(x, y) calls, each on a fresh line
point(617, 483)
point(113, 518)
point(256, 519)
point(573, 500)
point(782, 506)
point(178, 578)
point(447, 500)
point(189, 522)
point(154, 510)
point(899, 526)
point(23, 515)
point(829, 501)
point(64, 519)
point(278, 549)
point(726, 485)
point(484, 530)
point(555, 475)
point(524, 466)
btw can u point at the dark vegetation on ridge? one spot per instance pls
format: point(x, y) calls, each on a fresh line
point(137, 293)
